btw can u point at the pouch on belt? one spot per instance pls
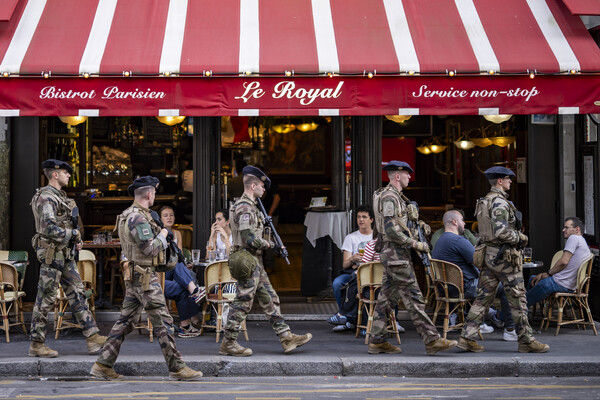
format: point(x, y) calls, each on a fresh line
point(241, 264)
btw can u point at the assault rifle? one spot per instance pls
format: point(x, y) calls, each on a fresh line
point(75, 223)
point(422, 238)
point(278, 243)
point(172, 245)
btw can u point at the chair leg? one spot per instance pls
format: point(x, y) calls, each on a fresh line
point(204, 306)
point(561, 306)
point(219, 320)
point(589, 315)
point(359, 317)
point(369, 322)
point(5, 322)
point(150, 329)
point(392, 318)
point(245, 330)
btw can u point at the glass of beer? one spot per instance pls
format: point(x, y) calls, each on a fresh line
point(527, 254)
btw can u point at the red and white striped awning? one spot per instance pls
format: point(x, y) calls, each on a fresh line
point(235, 57)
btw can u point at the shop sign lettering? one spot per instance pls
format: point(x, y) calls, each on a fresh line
point(483, 93)
point(110, 92)
point(288, 90)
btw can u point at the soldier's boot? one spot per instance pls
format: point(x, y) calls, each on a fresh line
point(185, 374)
point(289, 341)
point(385, 347)
point(469, 345)
point(533, 347)
point(104, 372)
point(39, 349)
point(95, 343)
point(440, 344)
point(232, 348)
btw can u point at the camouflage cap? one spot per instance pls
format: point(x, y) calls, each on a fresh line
point(498, 172)
point(250, 170)
point(57, 164)
point(142, 182)
point(398, 166)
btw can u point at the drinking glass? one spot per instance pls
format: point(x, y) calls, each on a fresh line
point(109, 237)
point(196, 256)
point(212, 255)
point(527, 254)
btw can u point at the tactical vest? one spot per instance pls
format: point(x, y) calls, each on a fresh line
point(130, 248)
point(483, 212)
point(238, 243)
point(389, 193)
point(63, 219)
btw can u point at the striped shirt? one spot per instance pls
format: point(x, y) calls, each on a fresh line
point(370, 254)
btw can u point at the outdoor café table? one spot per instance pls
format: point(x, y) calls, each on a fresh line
point(199, 268)
point(100, 249)
point(531, 268)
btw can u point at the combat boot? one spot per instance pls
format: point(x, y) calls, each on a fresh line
point(95, 343)
point(233, 348)
point(39, 349)
point(104, 372)
point(533, 347)
point(289, 341)
point(469, 345)
point(440, 344)
point(385, 347)
point(185, 374)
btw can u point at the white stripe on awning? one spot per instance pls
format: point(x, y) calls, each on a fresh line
point(168, 112)
point(333, 112)
point(477, 37)
point(568, 110)
point(489, 111)
point(325, 37)
point(9, 113)
point(554, 36)
point(249, 36)
point(408, 111)
point(22, 37)
point(170, 58)
point(403, 43)
point(94, 49)
point(248, 112)
point(90, 112)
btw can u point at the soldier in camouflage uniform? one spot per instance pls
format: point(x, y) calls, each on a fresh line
point(247, 224)
point(392, 214)
point(55, 244)
point(144, 245)
point(499, 225)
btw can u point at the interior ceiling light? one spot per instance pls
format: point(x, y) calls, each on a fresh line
point(437, 147)
point(498, 118)
point(424, 149)
point(399, 119)
point(307, 126)
point(283, 128)
point(482, 142)
point(503, 141)
point(171, 120)
point(74, 120)
point(464, 143)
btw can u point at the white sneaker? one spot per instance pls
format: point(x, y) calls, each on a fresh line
point(400, 328)
point(452, 319)
point(485, 328)
point(510, 336)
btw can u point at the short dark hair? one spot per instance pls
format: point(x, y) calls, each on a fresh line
point(366, 208)
point(224, 212)
point(165, 207)
point(577, 223)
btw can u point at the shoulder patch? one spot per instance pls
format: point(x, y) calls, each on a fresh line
point(144, 231)
point(245, 221)
point(388, 209)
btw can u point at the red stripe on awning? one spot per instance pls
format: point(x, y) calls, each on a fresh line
point(212, 39)
point(136, 37)
point(583, 7)
point(7, 8)
point(7, 29)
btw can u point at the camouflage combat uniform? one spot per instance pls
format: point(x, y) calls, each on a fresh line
point(145, 250)
point(52, 213)
point(399, 281)
point(247, 225)
point(497, 222)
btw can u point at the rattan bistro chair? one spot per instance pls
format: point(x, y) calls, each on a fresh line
point(11, 304)
point(576, 303)
point(369, 276)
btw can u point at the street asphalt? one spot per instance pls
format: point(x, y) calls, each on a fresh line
point(572, 353)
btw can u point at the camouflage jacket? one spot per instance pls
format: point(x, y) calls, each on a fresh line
point(390, 208)
point(247, 226)
point(503, 219)
point(52, 213)
point(140, 239)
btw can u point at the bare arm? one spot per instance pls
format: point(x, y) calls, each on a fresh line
point(559, 266)
point(351, 261)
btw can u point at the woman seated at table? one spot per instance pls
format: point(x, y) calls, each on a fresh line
point(180, 285)
point(220, 234)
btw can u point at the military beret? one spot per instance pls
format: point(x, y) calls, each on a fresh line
point(250, 170)
point(398, 166)
point(57, 164)
point(498, 172)
point(142, 182)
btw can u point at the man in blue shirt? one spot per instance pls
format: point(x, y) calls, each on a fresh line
point(453, 247)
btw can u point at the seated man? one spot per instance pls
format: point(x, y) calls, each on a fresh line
point(453, 247)
point(467, 233)
point(353, 247)
point(562, 277)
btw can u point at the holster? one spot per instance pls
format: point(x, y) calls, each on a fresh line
point(49, 257)
point(516, 257)
point(145, 275)
point(126, 268)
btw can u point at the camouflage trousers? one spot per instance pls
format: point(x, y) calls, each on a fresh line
point(71, 283)
point(511, 277)
point(153, 302)
point(260, 287)
point(400, 283)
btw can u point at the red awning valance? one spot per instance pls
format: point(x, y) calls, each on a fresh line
point(486, 44)
point(583, 7)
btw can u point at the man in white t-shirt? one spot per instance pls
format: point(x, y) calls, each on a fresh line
point(562, 277)
point(353, 249)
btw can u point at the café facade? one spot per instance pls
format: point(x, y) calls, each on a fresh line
point(336, 59)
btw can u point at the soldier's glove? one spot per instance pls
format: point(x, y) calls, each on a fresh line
point(421, 246)
point(426, 228)
point(76, 235)
point(523, 239)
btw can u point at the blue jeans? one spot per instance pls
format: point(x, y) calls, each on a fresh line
point(470, 288)
point(176, 283)
point(337, 285)
point(544, 288)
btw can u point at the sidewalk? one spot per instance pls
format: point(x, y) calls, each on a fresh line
point(572, 353)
